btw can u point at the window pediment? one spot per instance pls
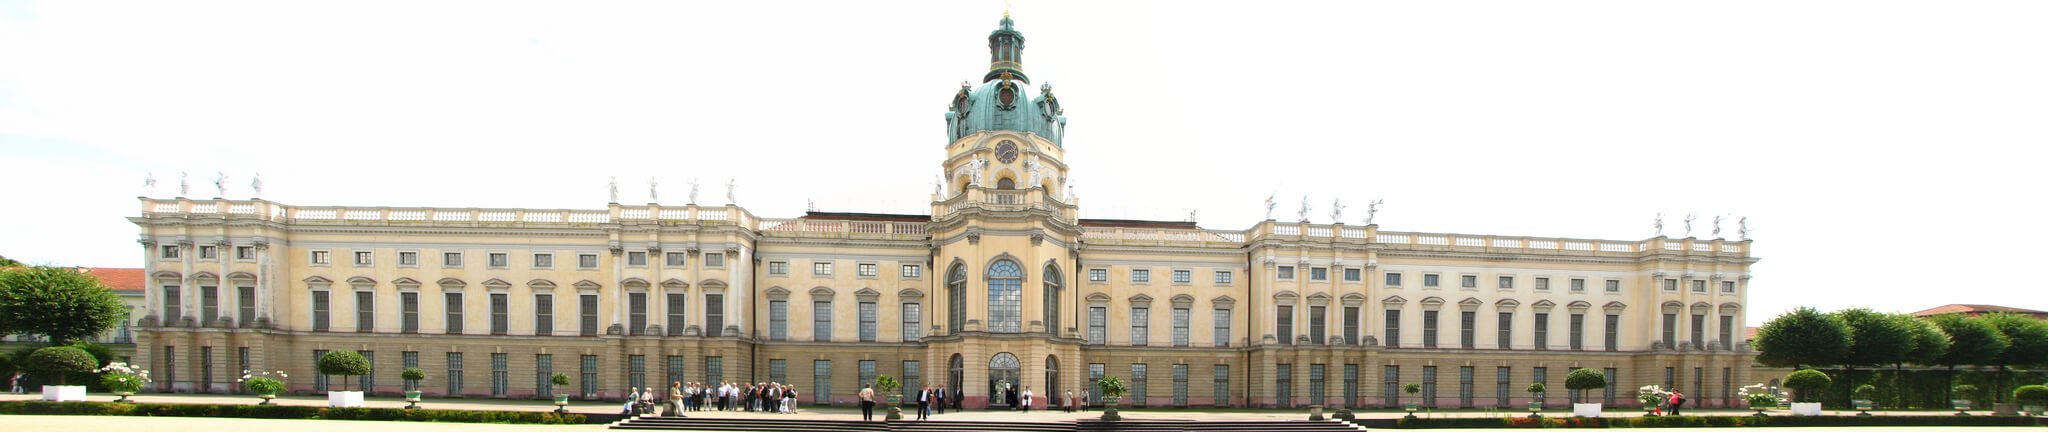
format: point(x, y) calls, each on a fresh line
point(362, 282)
point(1223, 302)
point(634, 282)
point(910, 293)
point(674, 284)
point(777, 293)
point(866, 295)
point(1394, 301)
point(1507, 304)
point(405, 282)
point(495, 283)
point(449, 282)
point(1183, 300)
point(536, 284)
point(241, 276)
point(1614, 307)
point(822, 293)
point(587, 285)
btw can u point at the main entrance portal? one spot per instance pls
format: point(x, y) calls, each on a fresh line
point(1002, 380)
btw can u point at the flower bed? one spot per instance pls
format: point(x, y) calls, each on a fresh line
point(286, 412)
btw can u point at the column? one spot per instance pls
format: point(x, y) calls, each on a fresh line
point(263, 286)
point(151, 286)
point(188, 284)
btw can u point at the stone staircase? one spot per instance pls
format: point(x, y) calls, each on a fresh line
point(803, 425)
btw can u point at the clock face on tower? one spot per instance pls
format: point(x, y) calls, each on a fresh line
point(1006, 152)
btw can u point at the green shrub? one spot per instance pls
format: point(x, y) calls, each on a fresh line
point(60, 361)
point(559, 379)
point(1585, 379)
point(413, 374)
point(1534, 388)
point(285, 412)
point(345, 364)
point(2035, 394)
point(1809, 383)
point(1111, 386)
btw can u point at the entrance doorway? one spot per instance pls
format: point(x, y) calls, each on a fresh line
point(1003, 380)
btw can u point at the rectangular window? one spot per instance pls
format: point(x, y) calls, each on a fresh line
point(1472, 281)
point(636, 258)
point(1543, 284)
point(1464, 386)
point(208, 253)
point(912, 271)
point(1727, 332)
point(821, 382)
point(1468, 337)
point(675, 259)
point(1223, 277)
point(543, 260)
point(1699, 332)
point(1542, 375)
point(1507, 282)
point(778, 320)
point(501, 320)
point(587, 315)
point(821, 321)
point(586, 261)
point(1141, 325)
point(1393, 329)
point(714, 314)
point(1578, 330)
point(246, 303)
point(913, 322)
point(544, 368)
point(409, 312)
point(1284, 314)
point(677, 320)
point(1350, 385)
point(1506, 326)
point(1430, 281)
point(500, 260)
point(636, 313)
point(1728, 287)
point(1183, 276)
point(1098, 318)
point(1095, 371)
point(1671, 330)
point(368, 380)
point(543, 314)
point(1671, 285)
point(454, 377)
point(1613, 332)
point(1393, 280)
point(209, 305)
point(1429, 325)
point(868, 321)
point(1351, 325)
point(1699, 286)
point(1542, 330)
point(1502, 379)
point(1141, 275)
point(1319, 273)
point(867, 270)
point(501, 374)
point(1727, 387)
point(778, 370)
point(366, 311)
point(174, 310)
point(318, 257)
point(1390, 386)
point(205, 367)
point(453, 307)
point(1429, 386)
point(636, 371)
point(714, 260)
point(589, 372)
point(169, 252)
point(364, 258)
point(245, 252)
point(913, 379)
point(1609, 390)
point(1283, 385)
point(866, 369)
point(1180, 385)
point(1316, 394)
point(714, 369)
point(451, 259)
point(1353, 275)
point(1138, 384)
point(1098, 275)
point(408, 258)
point(821, 268)
point(1613, 286)
point(1318, 326)
point(1180, 326)
point(1578, 285)
point(170, 368)
point(1285, 273)
point(1222, 327)
point(1220, 385)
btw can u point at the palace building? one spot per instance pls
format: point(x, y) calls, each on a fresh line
point(1002, 283)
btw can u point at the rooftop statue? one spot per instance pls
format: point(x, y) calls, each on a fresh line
point(693, 191)
point(257, 184)
point(1304, 209)
point(1372, 209)
point(1270, 205)
point(615, 189)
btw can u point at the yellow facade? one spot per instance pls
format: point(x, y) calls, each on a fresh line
point(1002, 283)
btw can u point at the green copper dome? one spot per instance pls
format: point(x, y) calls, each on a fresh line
point(1004, 99)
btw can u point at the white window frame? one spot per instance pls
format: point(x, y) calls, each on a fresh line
point(1319, 273)
point(1728, 287)
point(362, 258)
point(1141, 276)
point(1349, 272)
point(458, 262)
point(867, 270)
point(778, 268)
point(912, 271)
point(170, 252)
point(1225, 277)
point(319, 257)
point(665, 259)
point(1578, 284)
point(1183, 276)
point(595, 261)
point(1397, 279)
point(821, 268)
point(1285, 272)
point(1468, 281)
point(1426, 276)
point(641, 254)
point(714, 260)
point(1613, 286)
point(1098, 275)
point(414, 253)
point(251, 256)
point(207, 252)
point(491, 256)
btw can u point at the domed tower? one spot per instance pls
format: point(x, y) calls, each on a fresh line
point(1005, 236)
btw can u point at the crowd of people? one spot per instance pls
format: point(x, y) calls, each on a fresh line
point(683, 397)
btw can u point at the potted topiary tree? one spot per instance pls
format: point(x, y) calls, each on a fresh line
point(1411, 389)
point(1807, 385)
point(1863, 397)
point(2033, 397)
point(1112, 390)
point(1759, 397)
point(346, 364)
point(1652, 396)
point(264, 384)
point(57, 361)
point(412, 378)
point(1964, 394)
point(1535, 399)
point(560, 381)
point(1583, 379)
point(888, 385)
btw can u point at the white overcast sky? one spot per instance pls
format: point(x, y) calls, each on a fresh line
point(1888, 154)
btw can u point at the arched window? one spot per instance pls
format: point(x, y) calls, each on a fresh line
point(1052, 299)
point(956, 298)
point(1006, 183)
point(1005, 297)
point(1052, 380)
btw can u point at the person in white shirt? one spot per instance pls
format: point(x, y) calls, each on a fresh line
point(867, 403)
point(1027, 399)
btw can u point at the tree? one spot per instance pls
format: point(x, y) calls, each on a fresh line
point(1808, 382)
point(58, 303)
point(1583, 379)
point(344, 363)
point(60, 360)
point(1803, 337)
point(9, 262)
point(1971, 342)
point(1875, 339)
point(2035, 395)
point(559, 380)
point(2026, 345)
point(1929, 343)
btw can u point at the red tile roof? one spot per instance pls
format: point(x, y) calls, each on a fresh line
point(120, 279)
point(1976, 309)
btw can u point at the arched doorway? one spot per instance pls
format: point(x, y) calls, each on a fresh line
point(957, 374)
point(1002, 379)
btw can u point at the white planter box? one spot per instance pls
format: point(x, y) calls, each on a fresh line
point(64, 393)
point(1586, 410)
point(1806, 408)
point(345, 399)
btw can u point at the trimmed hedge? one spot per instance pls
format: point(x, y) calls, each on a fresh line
point(286, 412)
point(1704, 421)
